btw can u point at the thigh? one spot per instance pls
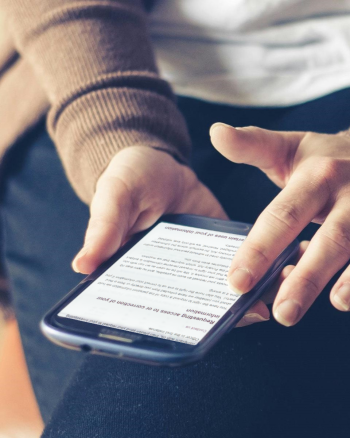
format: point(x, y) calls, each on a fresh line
point(43, 224)
point(258, 381)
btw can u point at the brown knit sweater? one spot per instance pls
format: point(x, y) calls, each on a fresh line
point(90, 64)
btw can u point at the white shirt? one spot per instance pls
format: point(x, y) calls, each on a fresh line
point(253, 52)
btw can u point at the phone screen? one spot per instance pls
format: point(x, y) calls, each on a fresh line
point(171, 285)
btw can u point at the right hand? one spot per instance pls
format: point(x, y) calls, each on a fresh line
point(313, 171)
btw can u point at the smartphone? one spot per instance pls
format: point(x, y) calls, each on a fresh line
point(163, 298)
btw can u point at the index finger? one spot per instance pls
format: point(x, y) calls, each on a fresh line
point(277, 226)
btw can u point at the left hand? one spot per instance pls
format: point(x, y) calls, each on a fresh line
point(139, 185)
point(314, 172)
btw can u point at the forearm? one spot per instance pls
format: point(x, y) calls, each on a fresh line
point(94, 60)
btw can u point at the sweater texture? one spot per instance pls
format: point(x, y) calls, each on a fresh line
point(90, 65)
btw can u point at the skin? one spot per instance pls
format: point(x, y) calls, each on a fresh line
point(314, 172)
point(140, 184)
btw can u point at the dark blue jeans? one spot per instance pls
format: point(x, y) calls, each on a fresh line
point(263, 380)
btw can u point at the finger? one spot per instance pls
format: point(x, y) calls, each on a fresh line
point(270, 295)
point(108, 224)
point(340, 293)
point(328, 252)
point(257, 313)
point(303, 246)
point(277, 226)
point(258, 147)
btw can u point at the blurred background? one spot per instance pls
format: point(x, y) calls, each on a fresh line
point(19, 413)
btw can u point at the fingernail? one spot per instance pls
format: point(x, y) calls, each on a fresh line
point(251, 318)
point(342, 296)
point(216, 125)
point(288, 312)
point(240, 280)
point(74, 265)
point(80, 254)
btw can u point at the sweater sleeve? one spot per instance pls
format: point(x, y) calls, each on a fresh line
point(95, 62)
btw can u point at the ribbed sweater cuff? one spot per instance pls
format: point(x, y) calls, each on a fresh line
point(96, 125)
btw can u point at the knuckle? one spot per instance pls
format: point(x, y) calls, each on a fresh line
point(338, 236)
point(284, 215)
point(98, 223)
point(311, 137)
point(329, 167)
point(253, 129)
point(308, 282)
point(118, 192)
point(104, 182)
point(326, 172)
point(258, 253)
point(344, 134)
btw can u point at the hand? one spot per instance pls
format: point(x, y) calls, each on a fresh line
point(139, 185)
point(314, 172)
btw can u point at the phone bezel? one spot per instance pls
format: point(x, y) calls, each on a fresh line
point(102, 339)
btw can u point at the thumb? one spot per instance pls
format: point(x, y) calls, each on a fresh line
point(270, 151)
point(112, 215)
